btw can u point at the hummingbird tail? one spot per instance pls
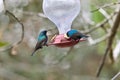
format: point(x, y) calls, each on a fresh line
point(86, 36)
point(32, 53)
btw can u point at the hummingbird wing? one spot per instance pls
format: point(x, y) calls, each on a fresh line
point(39, 45)
point(75, 36)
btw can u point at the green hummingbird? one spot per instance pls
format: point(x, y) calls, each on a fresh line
point(74, 35)
point(42, 41)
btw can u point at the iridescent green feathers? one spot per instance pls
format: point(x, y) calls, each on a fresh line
point(42, 41)
point(75, 35)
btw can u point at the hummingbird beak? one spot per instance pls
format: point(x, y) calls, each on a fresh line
point(65, 35)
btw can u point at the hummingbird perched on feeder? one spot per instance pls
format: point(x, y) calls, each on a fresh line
point(42, 41)
point(75, 35)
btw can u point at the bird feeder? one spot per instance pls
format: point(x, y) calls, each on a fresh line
point(61, 41)
point(62, 13)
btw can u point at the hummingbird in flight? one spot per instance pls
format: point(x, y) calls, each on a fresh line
point(75, 35)
point(42, 41)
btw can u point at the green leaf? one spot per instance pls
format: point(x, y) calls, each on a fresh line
point(96, 16)
point(3, 44)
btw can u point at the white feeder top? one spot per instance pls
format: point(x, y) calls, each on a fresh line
point(2, 9)
point(61, 12)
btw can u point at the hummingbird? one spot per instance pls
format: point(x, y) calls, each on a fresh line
point(42, 41)
point(75, 35)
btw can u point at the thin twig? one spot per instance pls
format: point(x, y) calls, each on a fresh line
point(100, 24)
point(68, 53)
point(22, 26)
point(118, 74)
point(22, 36)
point(12, 46)
point(34, 14)
point(106, 15)
point(106, 5)
point(97, 41)
point(113, 32)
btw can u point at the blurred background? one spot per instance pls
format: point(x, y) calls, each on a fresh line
point(53, 63)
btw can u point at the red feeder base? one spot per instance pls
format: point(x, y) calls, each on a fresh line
point(61, 41)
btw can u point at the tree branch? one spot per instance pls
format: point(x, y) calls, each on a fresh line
point(14, 45)
point(113, 32)
point(114, 78)
point(100, 24)
point(22, 36)
point(103, 38)
point(106, 5)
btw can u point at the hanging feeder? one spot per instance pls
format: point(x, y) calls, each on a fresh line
point(61, 41)
point(62, 13)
